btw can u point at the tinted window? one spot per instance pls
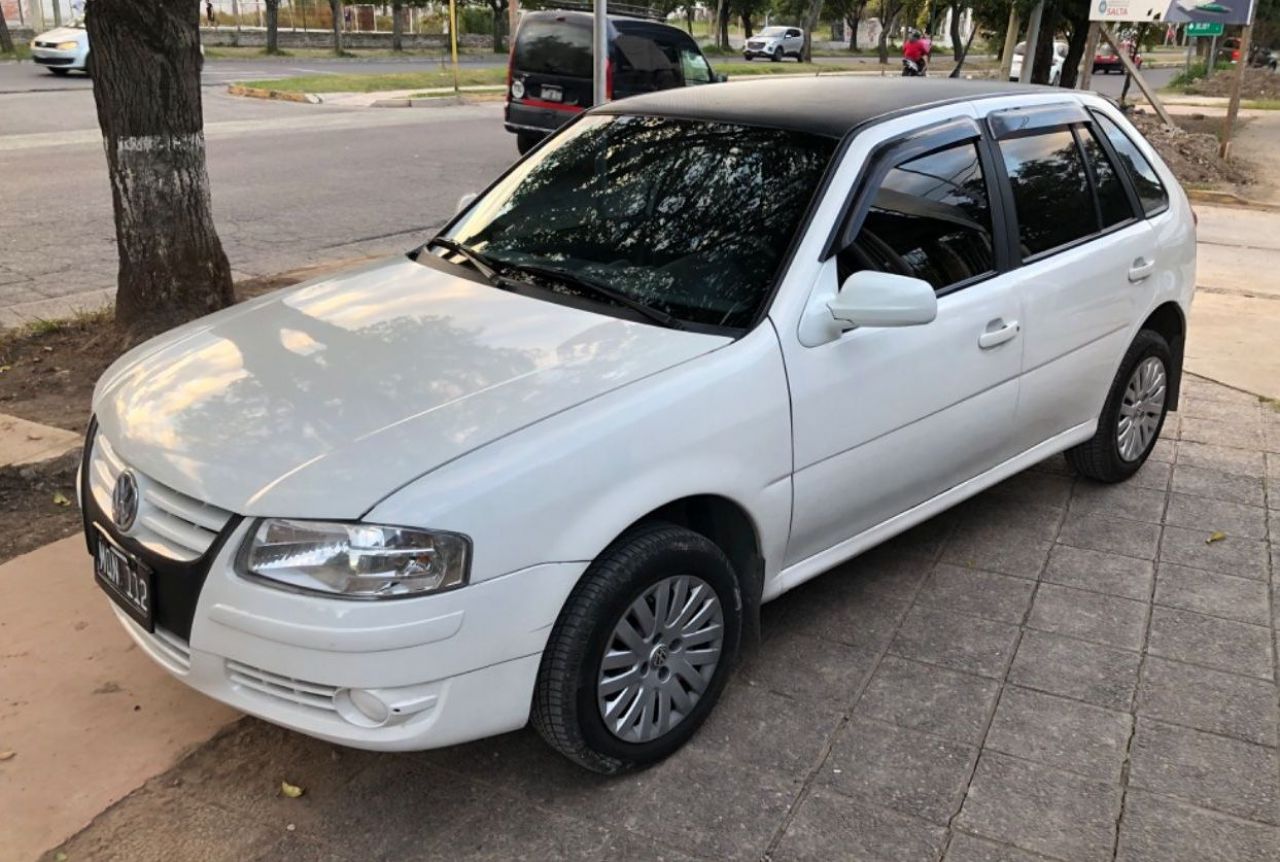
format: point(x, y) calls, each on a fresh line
point(645, 65)
point(694, 66)
point(930, 219)
point(1113, 201)
point(1150, 190)
point(1050, 190)
point(554, 48)
point(689, 217)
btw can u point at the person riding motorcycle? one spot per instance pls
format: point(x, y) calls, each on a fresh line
point(915, 54)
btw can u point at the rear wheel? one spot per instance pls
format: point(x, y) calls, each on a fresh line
point(641, 651)
point(1133, 414)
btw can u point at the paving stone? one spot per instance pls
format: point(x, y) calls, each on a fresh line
point(995, 550)
point(1222, 411)
point(970, 848)
point(992, 512)
point(830, 826)
point(923, 540)
point(1108, 620)
point(1041, 809)
point(1273, 465)
point(1234, 555)
point(1217, 485)
point(1114, 535)
point(1164, 451)
point(1153, 474)
point(526, 833)
point(1159, 829)
point(1036, 487)
point(813, 669)
point(1076, 669)
point(1100, 572)
point(1210, 700)
point(1061, 733)
point(1224, 458)
point(1205, 769)
point(1056, 464)
point(1273, 527)
point(893, 767)
point(753, 725)
point(1240, 435)
point(1200, 388)
point(1234, 519)
point(955, 641)
point(1213, 594)
point(1221, 644)
point(929, 698)
point(972, 591)
point(1171, 427)
point(842, 606)
point(1124, 501)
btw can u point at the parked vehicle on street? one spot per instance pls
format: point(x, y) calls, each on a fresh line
point(62, 49)
point(775, 43)
point(1106, 61)
point(1055, 71)
point(696, 349)
point(549, 74)
point(1262, 57)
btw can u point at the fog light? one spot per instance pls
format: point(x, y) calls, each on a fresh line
point(363, 708)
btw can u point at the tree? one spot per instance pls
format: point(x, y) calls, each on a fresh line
point(723, 13)
point(273, 26)
point(6, 41)
point(812, 15)
point(1076, 14)
point(889, 12)
point(146, 84)
point(335, 7)
point(499, 10)
point(397, 25)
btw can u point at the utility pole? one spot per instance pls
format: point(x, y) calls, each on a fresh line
point(1233, 107)
point(599, 52)
point(453, 42)
point(1033, 39)
point(57, 13)
point(1090, 51)
point(1010, 41)
point(513, 19)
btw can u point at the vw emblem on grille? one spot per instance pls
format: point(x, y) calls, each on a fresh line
point(124, 500)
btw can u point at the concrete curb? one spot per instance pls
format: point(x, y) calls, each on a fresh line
point(1229, 199)
point(277, 95)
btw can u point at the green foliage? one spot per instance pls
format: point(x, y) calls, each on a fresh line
point(1197, 72)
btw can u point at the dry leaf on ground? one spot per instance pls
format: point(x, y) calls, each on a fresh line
point(292, 791)
point(1215, 536)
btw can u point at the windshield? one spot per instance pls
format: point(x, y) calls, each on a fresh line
point(689, 218)
point(774, 31)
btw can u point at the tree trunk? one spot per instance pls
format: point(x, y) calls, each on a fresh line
point(1075, 50)
point(957, 46)
point(1043, 68)
point(888, 20)
point(855, 17)
point(146, 83)
point(273, 26)
point(6, 41)
point(335, 7)
point(811, 17)
point(722, 24)
point(688, 17)
point(746, 25)
point(499, 26)
point(397, 26)
point(955, 73)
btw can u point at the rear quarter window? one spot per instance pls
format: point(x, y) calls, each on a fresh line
point(1151, 192)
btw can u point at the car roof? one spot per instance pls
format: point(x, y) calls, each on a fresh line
point(619, 22)
point(830, 106)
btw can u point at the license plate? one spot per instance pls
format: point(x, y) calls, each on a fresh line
point(126, 580)
point(552, 94)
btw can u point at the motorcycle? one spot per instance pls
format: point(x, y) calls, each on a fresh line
point(912, 69)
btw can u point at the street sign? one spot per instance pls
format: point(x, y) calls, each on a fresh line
point(1204, 28)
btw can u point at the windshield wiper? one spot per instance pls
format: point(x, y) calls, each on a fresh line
point(589, 286)
point(475, 258)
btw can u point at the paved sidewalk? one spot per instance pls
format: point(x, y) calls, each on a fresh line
point(1054, 670)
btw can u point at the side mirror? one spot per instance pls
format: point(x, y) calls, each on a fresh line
point(465, 201)
point(871, 298)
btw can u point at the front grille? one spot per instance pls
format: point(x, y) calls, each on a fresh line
point(46, 44)
point(755, 45)
point(53, 61)
point(174, 649)
point(169, 523)
point(293, 691)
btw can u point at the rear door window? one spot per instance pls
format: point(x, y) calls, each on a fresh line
point(694, 66)
point(1113, 200)
point(1146, 181)
point(930, 219)
point(553, 47)
point(1051, 193)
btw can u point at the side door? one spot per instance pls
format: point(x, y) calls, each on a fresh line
point(794, 41)
point(1086, 256)
point(887, 418)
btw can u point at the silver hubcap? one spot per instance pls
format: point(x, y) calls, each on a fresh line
point(660, 658)
point(1141, 409)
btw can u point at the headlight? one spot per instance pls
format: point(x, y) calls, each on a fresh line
point(365, 561)
point(67, 46)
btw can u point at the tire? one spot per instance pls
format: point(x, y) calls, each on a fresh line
point(1101, 458)
point(568, 702)
point(776, 56)
point(61, 73)
point(526, 141)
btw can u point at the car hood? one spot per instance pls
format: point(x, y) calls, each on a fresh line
point(320, 400)
point(63, 34)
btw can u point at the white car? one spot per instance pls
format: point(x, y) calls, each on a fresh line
point(63, 49)
point(697, 348)
point(775, 43)
point(1055, 70)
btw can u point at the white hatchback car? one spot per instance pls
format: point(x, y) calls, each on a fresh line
point(1055, 68)
point(63, 49)
point(694, 350)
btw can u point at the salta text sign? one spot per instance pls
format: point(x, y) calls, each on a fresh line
point(1226, 12)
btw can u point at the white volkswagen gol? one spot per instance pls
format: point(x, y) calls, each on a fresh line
point(697, 348)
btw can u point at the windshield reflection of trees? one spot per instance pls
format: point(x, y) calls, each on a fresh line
point(689, 217)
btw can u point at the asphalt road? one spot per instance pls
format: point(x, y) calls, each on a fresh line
point(293, 184)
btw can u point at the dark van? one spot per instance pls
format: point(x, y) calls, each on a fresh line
point(549, 77)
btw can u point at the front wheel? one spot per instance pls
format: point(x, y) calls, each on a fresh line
point(59, 72)
point(777, 56)
point(641, 651)
point(1133, 414)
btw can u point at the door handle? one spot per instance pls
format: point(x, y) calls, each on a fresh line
point(1141, 268)
point(994, 337)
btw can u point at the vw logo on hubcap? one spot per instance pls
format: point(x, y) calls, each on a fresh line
point(124, 500)
point(658, 657)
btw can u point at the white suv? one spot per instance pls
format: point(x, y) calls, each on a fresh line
point(775, 43)
point(696, 349)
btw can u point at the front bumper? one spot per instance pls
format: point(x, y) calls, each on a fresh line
point(51, 57)
point(456, 666)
